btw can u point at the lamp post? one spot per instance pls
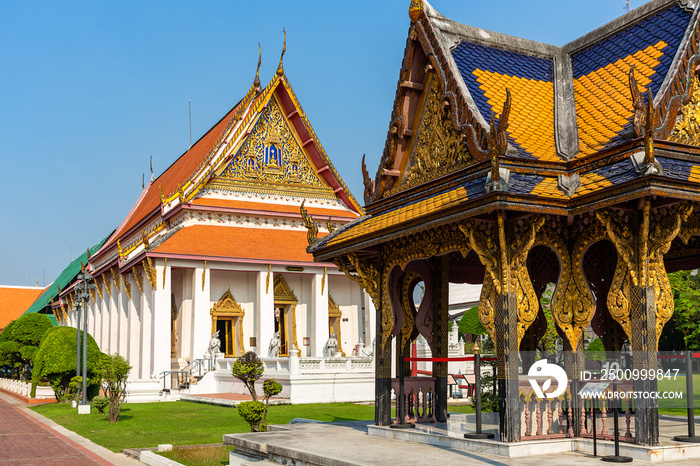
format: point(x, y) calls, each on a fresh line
point(83, 296)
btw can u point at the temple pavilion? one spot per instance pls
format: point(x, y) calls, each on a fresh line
point(516, 164)
point(217, 244)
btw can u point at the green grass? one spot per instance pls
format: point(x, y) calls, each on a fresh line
point(205, 456)
point(143, 425)
point(678, 406)
point(467, 409)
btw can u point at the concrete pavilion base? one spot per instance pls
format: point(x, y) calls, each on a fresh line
point(347, 443)
point(451, 435)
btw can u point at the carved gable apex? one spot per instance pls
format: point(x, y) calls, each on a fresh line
point(271, 156)
point(438, 149)
point(283, 293)
point(227, 306)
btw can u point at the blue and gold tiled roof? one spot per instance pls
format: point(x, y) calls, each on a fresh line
point(602, 97)
point(488, 71)
point(604, 109)
point(591, 103)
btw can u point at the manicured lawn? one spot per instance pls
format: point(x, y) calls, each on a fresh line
point(144, 425)
point(679, 406)
point(205, 456)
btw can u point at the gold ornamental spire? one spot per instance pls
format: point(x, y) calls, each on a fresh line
point(280, 68)
point(256, 81)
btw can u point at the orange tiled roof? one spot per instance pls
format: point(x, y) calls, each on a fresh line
point(14, 301)
point(267, 207)
point(178, 172)
point(403, 214)
point(238, 243)
point(603, 98)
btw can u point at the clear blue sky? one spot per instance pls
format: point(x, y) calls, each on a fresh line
point(89, 90)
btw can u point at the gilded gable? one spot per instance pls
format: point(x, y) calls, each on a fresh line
point(271, 155)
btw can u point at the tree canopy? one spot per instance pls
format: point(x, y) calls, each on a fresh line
point(56, 359)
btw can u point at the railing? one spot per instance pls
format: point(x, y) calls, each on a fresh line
point(183, 378)
point(553, 417)
point(198, 367)
point(604, 411)
point(419, 393)
point(335, 365)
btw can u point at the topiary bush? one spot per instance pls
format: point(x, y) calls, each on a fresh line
point(100, 403)
point(56, 360)
point(595, 350)
point(271, 387)
point(252, 412)
point(248, 368)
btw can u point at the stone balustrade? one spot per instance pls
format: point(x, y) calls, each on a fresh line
point(296, 365)
point(23, 387)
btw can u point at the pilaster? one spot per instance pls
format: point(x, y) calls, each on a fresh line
point(134, 329)
point(201, 318)
point(265, 312)
point(146, 330)
point(319, 304)
point(162, 330)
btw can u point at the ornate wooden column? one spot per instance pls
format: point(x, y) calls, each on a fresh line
point(369, 278)
point(640, 298)
point(508, 304)
point(441, 284)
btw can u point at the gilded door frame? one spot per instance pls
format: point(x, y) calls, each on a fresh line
point(227, 308)
point(284, 296)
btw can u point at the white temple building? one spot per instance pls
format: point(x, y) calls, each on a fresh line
point(217, 243)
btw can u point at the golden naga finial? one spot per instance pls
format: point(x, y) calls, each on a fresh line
point(498, 137)
point(280, 68)
point(256, 81)
point(120, 249)
point(649, 130)
point(415, 9)
point(88, 253)
point(311, 228)
point(366, 180)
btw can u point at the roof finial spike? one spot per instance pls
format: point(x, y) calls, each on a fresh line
point(153, 177)
point(415, 9)
point(280, 69)
point(143, 181)
point(256, 81)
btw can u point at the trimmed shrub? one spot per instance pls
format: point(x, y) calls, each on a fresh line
point(252, 412)
point(28, 329)
point(56, 360)
point(271, 387)
point(25, 334)
point(100, 403)
point(470, 324)
point(248, 368)
point(113, 371)
point(595, 350)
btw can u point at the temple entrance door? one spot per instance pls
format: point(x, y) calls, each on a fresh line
point(281, 327)
point(226, 335)
point(285, 319)
point(334, 317)
point(227, 318)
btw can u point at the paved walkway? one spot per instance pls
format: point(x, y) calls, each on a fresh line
point(27, 438)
